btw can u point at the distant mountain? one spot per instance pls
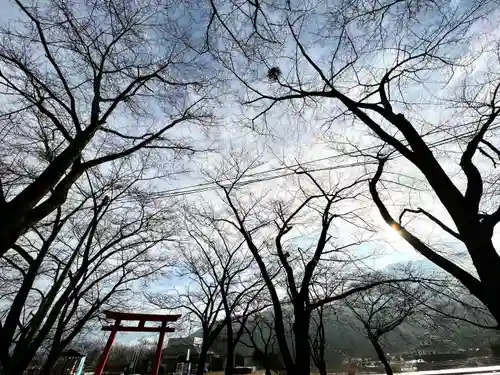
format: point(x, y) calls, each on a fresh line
point(345, 337)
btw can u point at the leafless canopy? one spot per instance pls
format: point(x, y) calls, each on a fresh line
point(420, 75)
point(220, 288)
point(291, 233)
point(93, 253)
point(84, 83)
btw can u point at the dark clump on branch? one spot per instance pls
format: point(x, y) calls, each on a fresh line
point(274, 73)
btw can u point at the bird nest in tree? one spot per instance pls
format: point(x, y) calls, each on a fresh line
point(274, 73)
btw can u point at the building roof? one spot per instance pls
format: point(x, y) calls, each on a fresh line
point(180, 341)
point(180, 345)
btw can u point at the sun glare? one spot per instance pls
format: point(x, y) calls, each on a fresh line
point(391, 233)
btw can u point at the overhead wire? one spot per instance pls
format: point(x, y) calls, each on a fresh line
point(247, 180)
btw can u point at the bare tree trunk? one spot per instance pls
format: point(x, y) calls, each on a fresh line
point(52, 357)
point(229, 360)
point(202, 360)
point(13, 367)
point(228, 370)
point(48, 366)
point(320, 362)
point(302, 345)
point(302, 360)
point(318, 343)
point(381, 355)
point(322, 369)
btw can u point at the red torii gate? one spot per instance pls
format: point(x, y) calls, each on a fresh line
point(118, 317)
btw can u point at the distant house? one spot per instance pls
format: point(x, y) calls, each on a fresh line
point(243, 353)
point(177, 348)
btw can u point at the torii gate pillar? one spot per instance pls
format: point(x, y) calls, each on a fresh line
point(118, 317)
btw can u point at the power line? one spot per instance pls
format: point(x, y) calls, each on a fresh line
point(208, 186)
point(203, 187)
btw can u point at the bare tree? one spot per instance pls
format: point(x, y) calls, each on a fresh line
point(259, 335)
point(233, 268)
point(84, 84)
point(318, 340)
point(412, 72)
point(384, 308)
point(268, 230)
point(222, 288)
point(89, 256)
point(250, 303)
point(200, 303)
point(133, 357)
